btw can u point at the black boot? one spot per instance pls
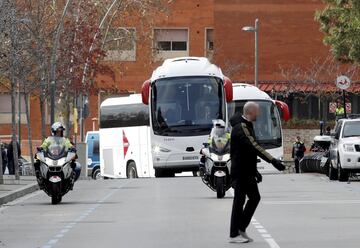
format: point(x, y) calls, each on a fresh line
point(39, 178)
point(72, 181)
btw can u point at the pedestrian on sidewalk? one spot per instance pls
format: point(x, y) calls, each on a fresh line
point(10, 157)
point(244, 151)
point(3, 156)
point(298, 152)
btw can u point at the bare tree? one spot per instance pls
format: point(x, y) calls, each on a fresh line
point(320, 76)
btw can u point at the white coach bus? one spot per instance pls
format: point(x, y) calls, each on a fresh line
point(267, 127)
point(125, 147)
point(184, 96)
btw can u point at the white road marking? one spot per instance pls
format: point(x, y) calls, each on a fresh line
point(267, 237)
point(311, 202)
point(53, 241)
point(90, 210)
point(262, 231)
point(272, 243)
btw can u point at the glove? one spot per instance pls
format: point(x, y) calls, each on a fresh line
point(278, 164)
point(258, 177)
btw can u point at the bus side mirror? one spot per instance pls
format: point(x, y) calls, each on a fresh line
point(145, 92)
point(284, 109)
point(228, 89)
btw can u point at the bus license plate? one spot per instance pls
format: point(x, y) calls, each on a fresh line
point(190, 158)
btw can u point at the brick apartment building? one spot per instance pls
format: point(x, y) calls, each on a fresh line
point(212, 28)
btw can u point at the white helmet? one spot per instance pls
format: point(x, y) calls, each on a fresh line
point(218, 128)
point(56, 126)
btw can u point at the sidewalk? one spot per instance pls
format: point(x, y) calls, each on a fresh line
point(13, 189)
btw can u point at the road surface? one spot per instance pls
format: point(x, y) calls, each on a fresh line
point(296, 211)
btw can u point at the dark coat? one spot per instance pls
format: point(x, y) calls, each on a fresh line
point(244, 150)
point(10, 152)
point(298, 150)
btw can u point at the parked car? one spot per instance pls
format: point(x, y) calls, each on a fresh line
point(345, 149)
point(93, 155)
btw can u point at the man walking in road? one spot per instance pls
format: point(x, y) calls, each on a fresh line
point(244, 174)
point(298, 152)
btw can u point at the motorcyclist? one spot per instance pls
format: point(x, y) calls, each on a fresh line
point(219, 136)
point(57, 134)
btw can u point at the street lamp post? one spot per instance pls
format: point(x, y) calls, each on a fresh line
point(255, 29)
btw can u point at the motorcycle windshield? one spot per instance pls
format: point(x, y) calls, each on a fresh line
point(56, 149)
point(220, 145)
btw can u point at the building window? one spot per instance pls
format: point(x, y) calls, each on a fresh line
point(5, 108)
point(209, 43)
point(170, 43)
point(121, 44)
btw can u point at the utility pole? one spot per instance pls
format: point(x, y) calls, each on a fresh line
point(19, 115)
point(13, 68)
point(257, 25)
point(255, 29)
point(1, 166)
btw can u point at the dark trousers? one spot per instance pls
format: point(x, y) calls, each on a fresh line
point(10, 166)
point(297, 165)
point(241, 216)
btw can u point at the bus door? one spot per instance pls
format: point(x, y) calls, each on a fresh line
point(144, 168)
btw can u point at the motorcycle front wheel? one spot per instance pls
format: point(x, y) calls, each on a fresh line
point(55, 199)
point(220, 187)
point(56, 194)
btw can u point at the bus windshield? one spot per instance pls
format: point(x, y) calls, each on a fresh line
point(186, 106)
point(267, 126)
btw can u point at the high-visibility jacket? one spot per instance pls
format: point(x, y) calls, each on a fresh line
point(340, 111)
point(52, 140)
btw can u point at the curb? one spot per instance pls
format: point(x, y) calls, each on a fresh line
point(19, 193)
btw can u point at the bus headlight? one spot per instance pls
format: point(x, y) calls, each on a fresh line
point(158, 149)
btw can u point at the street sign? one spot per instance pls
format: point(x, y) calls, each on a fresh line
point(348, 107)
point(343, 82)
point(332, 107)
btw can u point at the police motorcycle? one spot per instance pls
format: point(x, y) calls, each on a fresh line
point(215, 161)
point(58, 169)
